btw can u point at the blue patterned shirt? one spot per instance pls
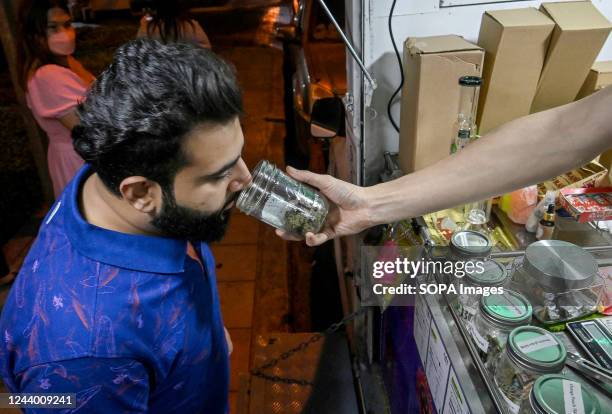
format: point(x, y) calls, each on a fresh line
point(129, 323)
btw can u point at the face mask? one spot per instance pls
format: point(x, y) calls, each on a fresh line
point(62, 43)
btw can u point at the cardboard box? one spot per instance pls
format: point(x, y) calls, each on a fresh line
point(515, 43)
point(580, 32)
point(430, 96)
point(588, 204)
point(599, 77)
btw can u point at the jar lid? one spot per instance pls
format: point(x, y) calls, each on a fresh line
point(494, 274)
point(559, 265)
point(536, 349)
point(470, 243)
point(557, 394)
point(509, 308)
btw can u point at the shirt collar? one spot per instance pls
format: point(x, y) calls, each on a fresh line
point(130, 251)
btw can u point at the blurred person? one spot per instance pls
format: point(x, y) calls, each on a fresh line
point(117, 299)
point(171, 22)
point(53, 80)
point(522, 152)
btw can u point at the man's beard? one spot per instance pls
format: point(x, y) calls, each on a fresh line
point(189, 224)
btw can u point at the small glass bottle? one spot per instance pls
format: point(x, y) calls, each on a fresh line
point(466, 117)
point(546, 226)
point(552, 393)
point(282, 202)
point(530, 353)
point(497, 316)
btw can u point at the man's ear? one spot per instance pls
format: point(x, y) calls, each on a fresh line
point(143, 194)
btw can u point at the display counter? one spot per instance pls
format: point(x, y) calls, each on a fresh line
point(429, 359)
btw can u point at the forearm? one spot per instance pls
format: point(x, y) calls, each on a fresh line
point(525, 151)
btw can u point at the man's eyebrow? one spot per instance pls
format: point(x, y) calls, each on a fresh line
point(221, 170)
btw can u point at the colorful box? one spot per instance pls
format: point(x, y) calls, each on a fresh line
point(588, 204)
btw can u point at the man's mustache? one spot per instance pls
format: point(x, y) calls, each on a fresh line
point(231, 199)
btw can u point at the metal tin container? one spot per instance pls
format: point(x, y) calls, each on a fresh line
point(560, 279)
point(470, 244)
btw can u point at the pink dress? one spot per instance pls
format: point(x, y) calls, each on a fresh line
point(54, 91)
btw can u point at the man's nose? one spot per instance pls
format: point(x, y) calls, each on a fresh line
point(243, 179)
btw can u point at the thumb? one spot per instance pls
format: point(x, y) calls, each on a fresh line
point(315, 180)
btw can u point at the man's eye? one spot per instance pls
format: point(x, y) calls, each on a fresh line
point(223, 176)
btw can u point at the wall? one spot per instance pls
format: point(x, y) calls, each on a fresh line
point(416, 18)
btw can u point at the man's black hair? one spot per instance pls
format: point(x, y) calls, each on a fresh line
point(134, 118)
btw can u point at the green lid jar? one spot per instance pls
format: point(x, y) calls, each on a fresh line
point(536, 349)
point(530, 352)
point(556, 394)
point(497, 316)
point(494, 275)
point(507, 310)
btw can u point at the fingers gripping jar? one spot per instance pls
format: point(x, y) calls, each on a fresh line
point(497, 316)
point(282, 202)
point(530, 353)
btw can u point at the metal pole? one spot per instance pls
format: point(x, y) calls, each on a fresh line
point(348, 44)
point(515, 253)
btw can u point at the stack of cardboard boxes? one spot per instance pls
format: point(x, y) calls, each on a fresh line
point(533, 60)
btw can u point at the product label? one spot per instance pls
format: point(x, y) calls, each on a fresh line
point(438, 367)
point(512, 407)
point(273, 211)
point(572, 396)
point(535, 344)
point(421, 327)
point(481, 342)
point(455, 403)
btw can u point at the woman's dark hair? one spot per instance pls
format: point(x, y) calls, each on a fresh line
point(169, 19)
point(33, 51)
point(137, 113)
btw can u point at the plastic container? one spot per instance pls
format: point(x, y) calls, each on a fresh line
point(530, 353)
point(497, 316)
point(560, 279)
point(282, 202)
point(494, 275)
point(556, 394)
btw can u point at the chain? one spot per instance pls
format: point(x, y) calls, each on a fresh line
point(258, 372)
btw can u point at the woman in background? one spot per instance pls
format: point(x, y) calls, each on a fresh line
point(171, 22)
point(53, 80)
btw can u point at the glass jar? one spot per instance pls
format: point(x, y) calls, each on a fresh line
point(560, 279)
point(464, 246)
point(494, 275)
point(282, 202)
point(497, 316)
point(556, 394)
point(530, 352)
